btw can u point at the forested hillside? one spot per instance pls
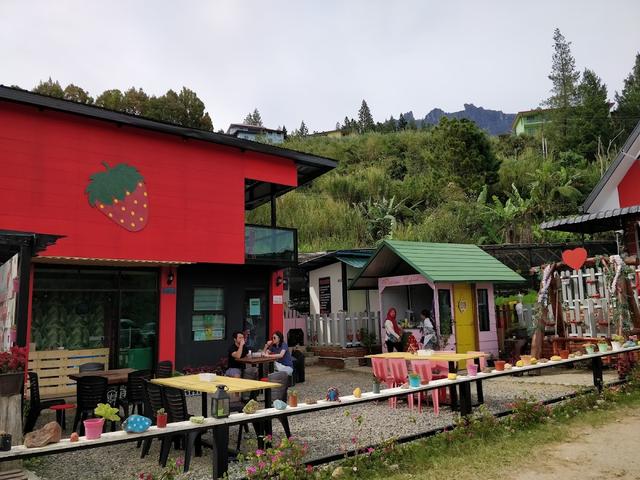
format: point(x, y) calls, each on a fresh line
point(450, 183)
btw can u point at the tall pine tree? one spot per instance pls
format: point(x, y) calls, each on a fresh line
point(254, 118)
point(627, 114)
point(591, 123)
point(365, 119)
point(564, 93)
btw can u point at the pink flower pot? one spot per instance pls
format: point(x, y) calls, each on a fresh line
point(472, 370)
point(93, 428)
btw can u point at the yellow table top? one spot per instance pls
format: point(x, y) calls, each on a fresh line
point(446, 356)
point(193, 382)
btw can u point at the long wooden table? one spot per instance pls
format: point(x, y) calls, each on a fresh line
point(452, 358)
point(113, 438)
point(235, 385)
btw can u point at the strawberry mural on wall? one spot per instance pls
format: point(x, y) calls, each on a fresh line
point(120, 194)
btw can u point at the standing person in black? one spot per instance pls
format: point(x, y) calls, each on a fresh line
point(237, 350)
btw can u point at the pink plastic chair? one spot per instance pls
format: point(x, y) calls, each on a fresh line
point(381, 372)
point(423, 368)
point(443, 366)
point(400, 374)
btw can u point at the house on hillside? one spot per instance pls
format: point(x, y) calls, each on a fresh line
point(256, 133)
point(530, 122)
point(130, 233)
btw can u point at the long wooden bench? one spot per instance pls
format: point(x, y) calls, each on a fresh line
point(220, 427)
point(54, 367)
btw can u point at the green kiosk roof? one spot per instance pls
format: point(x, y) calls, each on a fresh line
point(437, 262)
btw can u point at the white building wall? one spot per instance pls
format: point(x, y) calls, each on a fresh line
point(334, 272)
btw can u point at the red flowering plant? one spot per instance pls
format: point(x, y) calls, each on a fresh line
point(13, 361)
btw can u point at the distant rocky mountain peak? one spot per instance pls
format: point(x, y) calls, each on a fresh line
point(494, 122)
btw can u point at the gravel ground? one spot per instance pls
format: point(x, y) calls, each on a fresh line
point(325, 432)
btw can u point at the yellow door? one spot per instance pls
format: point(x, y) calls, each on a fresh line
point(465, 317)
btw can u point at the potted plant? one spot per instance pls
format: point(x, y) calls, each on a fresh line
point(293, 398)
point(161, 418)
point(376, 385)
point(590, 348)
point(12, 367)
point(94, 426)
point(616, 342)
point(603, 346)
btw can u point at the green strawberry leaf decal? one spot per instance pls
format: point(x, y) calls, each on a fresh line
point(121, 194)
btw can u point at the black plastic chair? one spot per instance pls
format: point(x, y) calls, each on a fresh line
point(164, 369)
point(175, 403)
point(135, 392)
point(152, 403)
point(91, 367)
point(36, 405)
point(90, 392)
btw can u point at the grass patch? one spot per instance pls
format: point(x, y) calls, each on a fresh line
point(485, 447)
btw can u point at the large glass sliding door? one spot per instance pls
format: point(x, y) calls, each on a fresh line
point(78, 308)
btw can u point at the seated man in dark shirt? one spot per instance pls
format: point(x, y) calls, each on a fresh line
point(237, 350)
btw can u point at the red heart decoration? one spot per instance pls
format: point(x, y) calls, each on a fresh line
point(575, 258)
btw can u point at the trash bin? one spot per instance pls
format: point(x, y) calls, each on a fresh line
point(295, 336)
point(298, 365)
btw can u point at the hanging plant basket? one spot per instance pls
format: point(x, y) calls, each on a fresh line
point(11, 383)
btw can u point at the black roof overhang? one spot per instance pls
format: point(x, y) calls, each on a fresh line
point(603, 221)
point(11, 242)
point(256, 192)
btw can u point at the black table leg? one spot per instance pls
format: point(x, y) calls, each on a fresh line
point(479, 384)
point(220, 450)
point(267, 425)
point(204, 404)
point(465, 398)
point(597, 373)
point(453, 392)
point(260, 371)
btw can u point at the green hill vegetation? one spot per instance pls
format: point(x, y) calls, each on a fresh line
point(449, 183)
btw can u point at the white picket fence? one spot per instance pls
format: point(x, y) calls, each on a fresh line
point(586, 302)
point(342, 329)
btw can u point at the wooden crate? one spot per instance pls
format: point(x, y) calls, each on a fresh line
point(54, 366)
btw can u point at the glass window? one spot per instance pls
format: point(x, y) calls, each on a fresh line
point(208, 321)
point(444, 307)
point(483, 309)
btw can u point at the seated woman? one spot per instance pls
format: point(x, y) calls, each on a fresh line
point(429, 338)
point(278, 349)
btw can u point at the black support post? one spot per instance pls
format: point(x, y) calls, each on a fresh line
point(453, 392)
point(220, 454)
point(22, 311)
point(597, 373)
point(465, 398)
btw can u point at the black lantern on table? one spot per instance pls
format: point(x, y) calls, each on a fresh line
point(220, 402)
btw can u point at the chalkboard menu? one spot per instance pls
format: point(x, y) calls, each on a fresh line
point(325, 295)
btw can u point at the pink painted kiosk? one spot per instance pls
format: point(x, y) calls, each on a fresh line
point(453, 282)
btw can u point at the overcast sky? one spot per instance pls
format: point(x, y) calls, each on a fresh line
point(317, 60)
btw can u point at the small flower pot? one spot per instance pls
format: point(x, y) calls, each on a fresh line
point(93, 428)
point(414, 381)
point(472, 370)
point(376, 387)
point(590, 349)
point(161, 420)
point(526, 359)
point(293, 401)
point(616, 345)
point(499, 364)
point(5, 442)
point(603, 347)
point(564, 354)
